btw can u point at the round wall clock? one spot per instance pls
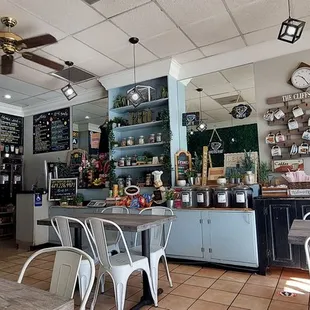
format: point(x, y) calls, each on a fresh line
point(301, 78)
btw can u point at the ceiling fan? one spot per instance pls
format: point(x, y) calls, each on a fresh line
point(12, 43)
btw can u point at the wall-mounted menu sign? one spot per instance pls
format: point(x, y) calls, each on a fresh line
point(60, 188)
point(11, 129)
point(183, 162)
point(51, 131)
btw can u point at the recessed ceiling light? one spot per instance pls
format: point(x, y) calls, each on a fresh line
point(87, 117)
point(7, 96)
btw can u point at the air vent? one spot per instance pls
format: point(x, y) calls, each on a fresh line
point(76, 75)
point(91, 1)
point(229, 99)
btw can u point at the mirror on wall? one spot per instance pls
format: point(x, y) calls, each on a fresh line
point(87, 130)
point(221, 92)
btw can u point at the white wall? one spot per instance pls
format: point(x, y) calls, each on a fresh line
point(271, 78)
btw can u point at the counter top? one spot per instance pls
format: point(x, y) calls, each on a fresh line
point(283, 198)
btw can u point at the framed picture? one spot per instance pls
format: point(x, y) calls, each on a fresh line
point(183, 162)
point(215, 173)
point(288, 165)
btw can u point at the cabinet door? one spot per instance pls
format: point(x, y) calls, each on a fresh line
point(186, 235)
point(279, 220)
point(233, 238)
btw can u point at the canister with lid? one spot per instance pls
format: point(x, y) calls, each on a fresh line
point(242, 196)
point(187, 197)
point(203, 195)
point(222, 197)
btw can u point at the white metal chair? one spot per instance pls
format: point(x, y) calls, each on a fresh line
point(62, 229)
point(114, 237)
point(157, 246)
point(307, 249)
point(306, 215)
point(119, 266)
point(65, 271)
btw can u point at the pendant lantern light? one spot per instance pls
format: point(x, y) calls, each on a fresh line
point(291, 29)
point(68, 90)
point(135, 97)
point(202, 126)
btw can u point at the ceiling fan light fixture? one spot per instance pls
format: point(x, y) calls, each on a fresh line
point(69, 92)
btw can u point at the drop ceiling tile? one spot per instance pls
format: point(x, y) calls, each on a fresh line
point(259, 14)
point(223, 95)
point(30, 102)
point(214, 78)
point(79, 115)
point(112, 7)
point(27, 24)
point(15, 96)
point(101, 103)
point(207, 104)
point(218, 89)
point(263, 35)
point(195, 10)
point(211, 30)
point(207, 117)
point(10, 83)
point(125, 55)
point(144, 22)
point(239, 73)
point(192, 106)
point(191, 92)
point(104, 37)
point(36, 66)
point(94, 83)
point(231, 105)
point(49, 95)
point(19, 104)
point(168, 43)
point(188, 56)
point(223, 47)
point(300, 8)
point(220, 114)
point(249, 95)
point(243, 84)
point(70, 16)
point(91, 108)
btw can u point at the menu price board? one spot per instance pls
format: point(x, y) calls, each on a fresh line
point(183, 162)
point(51, 131)
point(59, 188)
point(11, 129)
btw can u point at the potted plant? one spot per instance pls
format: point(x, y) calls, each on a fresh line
point(170, 194)
point(248, 166)
point(114, 143)
point(197, 164)
point(233, 176)
point(238, 177)
point(78, 200)
point(119, 121)
point(221, 180)
point(119, 101)
point(190, 175)
point(148, 157)
point(64, 201)
point(263, 173)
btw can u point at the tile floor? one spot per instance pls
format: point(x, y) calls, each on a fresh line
point(194, 288)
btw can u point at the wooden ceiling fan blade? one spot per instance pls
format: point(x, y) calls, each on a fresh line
point(36, 41)
point(7, 64)
point(43, 61)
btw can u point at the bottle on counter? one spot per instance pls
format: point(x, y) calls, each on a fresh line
point(115, 190)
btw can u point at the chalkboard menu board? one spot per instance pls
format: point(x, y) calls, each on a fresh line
point(183, 162)
point(51, 131)
point(59, 188)
point(11, 129)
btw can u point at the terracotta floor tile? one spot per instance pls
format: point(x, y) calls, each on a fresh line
point(274, 272)
point(258, 290)
point(200, 281)
point(29, 281)
point(135, 281)
point(166, 287)
point(236, 276)
point(298, 284)
point(251, 302)
point(172, 266)
point(174, 302)
point(187, 269)
point(4, 265)
point(14, 269)
point(105, 302)
point(43, 285)
point(30, 271)
point(210, 273)
point(47, 265)
point(49, 258)
point(263, 280)
point(298, 297)
point(234, 308)
point(220, 297)
point(19, 261)
point(26, 254)
point(281, 305)
point(177, 277)
point(204, 305)
point(43, 275)
point(295, 273)
point(189, 291)
point(228, 286)
point(10, 276)
point(39, 262)
point(2, 273)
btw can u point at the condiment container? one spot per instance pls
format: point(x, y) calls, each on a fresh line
point(130, 141)
point(203, 195)
point(222, 197)
point(121, 162)
point(152, 138)
point(242, 196)
point(124, 142)
point(141, 140)
point(128, 180)
point(134, 160)
point(115, 190)
point(187, 197)
point(158, 137)
point(128, 161)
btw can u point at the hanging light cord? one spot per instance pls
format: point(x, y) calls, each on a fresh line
point(134, 63)
point(289, 8)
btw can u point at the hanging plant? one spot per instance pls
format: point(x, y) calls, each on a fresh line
point(167, 137)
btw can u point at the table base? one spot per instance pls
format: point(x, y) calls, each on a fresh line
point(146, 302)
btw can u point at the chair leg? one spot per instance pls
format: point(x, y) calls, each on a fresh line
point(167, 270)
point(100, 274)
point(154, 276)
point(102, 281)
point(153, 292)
point(120, 285)
point(83, 278)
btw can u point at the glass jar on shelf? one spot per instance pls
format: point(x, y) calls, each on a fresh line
point(120, 182)
point(124, 142)
point(152, 138)
point(134, 160)
point(128, 161)
point(148, 179)
point(158, 137)
point(161, 158)
point(128, 180)
point(121, 162)
point(130, 141)
point(141, 140)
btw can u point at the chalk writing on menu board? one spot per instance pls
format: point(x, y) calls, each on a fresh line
point(11, 129)
point(183, 162)
point(51, 131)
point(59, 188)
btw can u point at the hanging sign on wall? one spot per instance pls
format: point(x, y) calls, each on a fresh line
point(183, 162)
point(11, 129)
point(216, 147)
point(289, 97)
point(190, 119)
point(51, 131)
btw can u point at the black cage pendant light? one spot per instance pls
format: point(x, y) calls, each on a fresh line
point(291, 29)
point(202, 126)
point(135, 97)
point(68, 90)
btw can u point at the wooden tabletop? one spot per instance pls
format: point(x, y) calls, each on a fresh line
point(299, 232)
point(127, 222)
point(15, 296)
